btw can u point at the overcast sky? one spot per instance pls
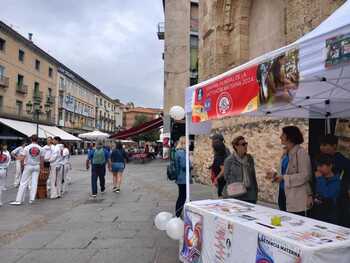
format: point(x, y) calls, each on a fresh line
point(111, 43)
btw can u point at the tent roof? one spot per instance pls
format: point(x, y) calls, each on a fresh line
point(147, 126)
point(322, 92)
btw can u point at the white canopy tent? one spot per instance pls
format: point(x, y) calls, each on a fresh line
point(323, 88)
point(95, 135)
point(28, 129)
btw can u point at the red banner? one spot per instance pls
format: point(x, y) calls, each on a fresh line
point(272, 82)
point(231, 95)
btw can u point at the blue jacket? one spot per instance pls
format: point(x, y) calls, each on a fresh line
point(328, 188)
point(180, 164)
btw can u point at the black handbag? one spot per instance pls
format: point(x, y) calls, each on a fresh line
point(171, 171)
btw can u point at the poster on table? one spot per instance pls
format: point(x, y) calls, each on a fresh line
point(270, 83)
point(193, 237)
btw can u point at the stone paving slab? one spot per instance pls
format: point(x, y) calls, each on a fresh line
point(115, 228)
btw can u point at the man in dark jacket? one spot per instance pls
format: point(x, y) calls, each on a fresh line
point(341, 166)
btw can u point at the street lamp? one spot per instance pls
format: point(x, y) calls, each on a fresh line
point(36, 109)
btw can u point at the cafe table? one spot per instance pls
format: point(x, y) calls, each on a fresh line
point(229, 230)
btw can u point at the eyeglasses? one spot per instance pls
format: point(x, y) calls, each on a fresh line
point(243, 144)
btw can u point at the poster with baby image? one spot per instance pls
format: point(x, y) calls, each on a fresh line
point(193, 238)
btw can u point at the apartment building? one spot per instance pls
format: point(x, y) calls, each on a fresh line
point(180, 35)
point(76, 103)
point(131, 113)
point(108, 113)
point(28, 77)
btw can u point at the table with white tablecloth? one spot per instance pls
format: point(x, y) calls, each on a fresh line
point(230, 230)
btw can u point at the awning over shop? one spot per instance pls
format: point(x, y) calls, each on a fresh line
point(28, 129)
point(147, 126)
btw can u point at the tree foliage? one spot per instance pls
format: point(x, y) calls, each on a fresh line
point(150, 136)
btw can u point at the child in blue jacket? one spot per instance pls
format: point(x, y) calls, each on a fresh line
point(327, 191)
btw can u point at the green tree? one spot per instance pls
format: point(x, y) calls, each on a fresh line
point(150, 136)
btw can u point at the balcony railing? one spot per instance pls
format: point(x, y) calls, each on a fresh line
point(38, 95)
point(21, 114)
point(51, 99)
point(161, 30)
point(4, 82)
point(21, 88)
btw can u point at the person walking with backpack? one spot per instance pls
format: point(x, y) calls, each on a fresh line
point(180, 167)
point(98, 158)
point(117, 166)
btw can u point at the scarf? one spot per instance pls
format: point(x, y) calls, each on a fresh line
point(245, 165)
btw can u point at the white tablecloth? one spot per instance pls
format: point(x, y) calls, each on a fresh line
point(230, 230)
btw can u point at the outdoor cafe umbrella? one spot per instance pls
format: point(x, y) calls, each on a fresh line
point(94, 136)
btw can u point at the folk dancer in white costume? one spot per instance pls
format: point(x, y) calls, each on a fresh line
point(48, 150)
point(66, 166)
point(16, 154)
point(32, 156)
point(5, 160)
point(56, 166)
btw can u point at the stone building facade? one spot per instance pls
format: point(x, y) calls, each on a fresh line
point(180, 35)
point(233, 32)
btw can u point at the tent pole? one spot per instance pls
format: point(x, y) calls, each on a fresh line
point(328, 126)
point(187, 117)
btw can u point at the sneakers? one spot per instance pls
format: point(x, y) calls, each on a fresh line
point(93, 196)
point(117, 190)
point(103, 192)
point(114, 189)
point(15, 203)
point(31, 201)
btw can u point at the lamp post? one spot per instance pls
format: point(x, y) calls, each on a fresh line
point(36, 109)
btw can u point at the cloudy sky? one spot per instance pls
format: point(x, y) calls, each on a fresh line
point(111, 43)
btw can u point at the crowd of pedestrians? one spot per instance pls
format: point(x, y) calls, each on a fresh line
point(31, 161)
point(318, 188)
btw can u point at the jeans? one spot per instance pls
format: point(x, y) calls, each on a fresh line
point(221, 186)
point(98, 171)
point(181, 199)
point(282, 200)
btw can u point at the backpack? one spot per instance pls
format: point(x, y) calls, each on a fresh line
point(99, 157)
point(171, 171)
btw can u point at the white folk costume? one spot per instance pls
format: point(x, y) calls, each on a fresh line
point(55, 171)
point(65, 169)
point(32, 156)
point(16, 153)
point(5, 160)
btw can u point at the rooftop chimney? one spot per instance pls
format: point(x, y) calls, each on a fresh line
point(30, 36)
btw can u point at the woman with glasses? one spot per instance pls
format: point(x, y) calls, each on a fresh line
point(239, 173)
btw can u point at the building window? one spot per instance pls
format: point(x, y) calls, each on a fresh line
point(21, 55)
point(19, 107)
point(1, 102)
point(2, 44)
point(61, 83)
point(37, 64)
point(36, 88)
point(50, 72)
point(2, 71)
point(20, 79)
point(49, 92)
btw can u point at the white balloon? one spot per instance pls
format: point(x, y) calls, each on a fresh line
point(177, 113)
point(162, 219)
point(175, 228)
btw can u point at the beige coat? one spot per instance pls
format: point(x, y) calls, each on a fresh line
point(297, 180)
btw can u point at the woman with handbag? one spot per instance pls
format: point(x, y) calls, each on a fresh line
point(239, 173)
point(294, 176)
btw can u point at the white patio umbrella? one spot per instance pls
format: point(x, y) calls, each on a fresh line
point(95, 135)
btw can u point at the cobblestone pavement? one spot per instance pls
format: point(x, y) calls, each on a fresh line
point(114, 228)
